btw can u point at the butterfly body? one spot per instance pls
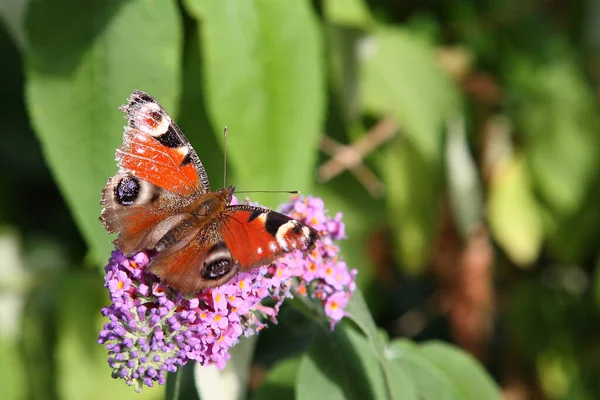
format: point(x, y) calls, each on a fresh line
point(161, 200)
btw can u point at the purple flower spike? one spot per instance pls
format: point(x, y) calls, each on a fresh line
point(152, 328)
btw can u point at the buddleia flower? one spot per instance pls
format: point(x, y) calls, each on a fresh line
point(152, 329)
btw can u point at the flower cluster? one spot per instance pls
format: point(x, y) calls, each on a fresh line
point(153, 329)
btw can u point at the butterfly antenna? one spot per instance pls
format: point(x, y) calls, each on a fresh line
point(225, 157)
point(268, 191)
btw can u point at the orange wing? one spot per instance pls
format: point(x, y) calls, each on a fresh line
point(258, 236)
point(202, 263)
point(154, 149)
point(168, 168)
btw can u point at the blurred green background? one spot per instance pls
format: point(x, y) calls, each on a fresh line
point(459, 139)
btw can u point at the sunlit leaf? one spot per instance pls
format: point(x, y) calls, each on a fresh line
point(348, 12)
point(401, 78)
point(514, 214)
point(193, 119)
point(12, 370)
point(83, 61)
point(264, 81)
point(12, 303)
point(464, 188)
point(556, 374)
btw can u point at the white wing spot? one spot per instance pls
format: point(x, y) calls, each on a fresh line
point(282, 232)
point(183, 150)
point(273, 247)
point(259, 250)
point(144, 112)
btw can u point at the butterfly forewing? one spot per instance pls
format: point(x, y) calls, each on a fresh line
point(155, 149)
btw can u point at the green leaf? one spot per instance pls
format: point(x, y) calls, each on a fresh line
point(441, 371)
point(596, 284)
point(348, 21)
point(558, 118)
point(280, 381)
point(38, 343)
point(412, 186)
point(181, 384)
point(465, 372)
point(13, 282)
point(570, 248)
point(193, 118)
point(340, 365)
point(231, 382)
point(400, 77)
point(348, 12)
point(12, 370)
point(83, 61)
point(12, 15)
point(359, 313)
point(430, 382)
point(314, 381)
point(396, 382)
point(513, 213)
point(402, 387)
point(464, 188)
point(264, 81)
point(344, 73)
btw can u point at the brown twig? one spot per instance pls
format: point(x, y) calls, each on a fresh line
point(350, 157)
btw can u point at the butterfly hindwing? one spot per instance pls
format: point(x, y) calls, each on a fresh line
point(139, 211)
point(202, 263)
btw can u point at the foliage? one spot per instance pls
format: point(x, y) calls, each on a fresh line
point(458, 139)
